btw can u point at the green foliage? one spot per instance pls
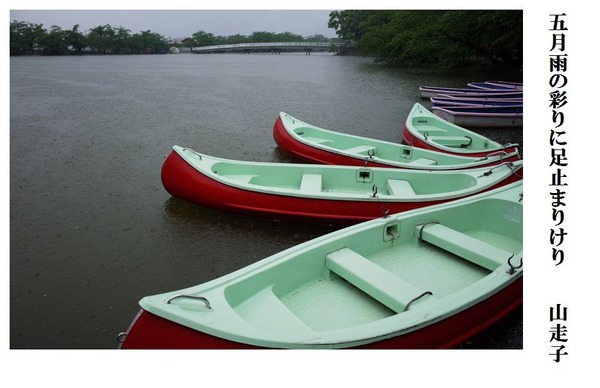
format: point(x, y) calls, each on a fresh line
point(27, 39)
point(202, 38)
point(439, 38)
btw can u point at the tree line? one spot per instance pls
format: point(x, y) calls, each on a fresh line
point(434, 38)
point(393, 37)
point(30, 38)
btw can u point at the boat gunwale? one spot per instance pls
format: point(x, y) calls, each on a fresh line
point(411, 134)
point(215, 289)
point(249, 334)
point(476, 161)
point(515, 167)
point(182, 337)
point(454, 112)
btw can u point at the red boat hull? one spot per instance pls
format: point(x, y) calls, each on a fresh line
point(316, 155)
point(409, 138)
point(149, 331)
point(183, 181)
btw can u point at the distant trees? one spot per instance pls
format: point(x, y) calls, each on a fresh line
point(25, 37)
point(446, 38)
point(202, 38)
point(396, 37)
point(29, 38)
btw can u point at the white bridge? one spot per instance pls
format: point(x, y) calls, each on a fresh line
point(273, 47)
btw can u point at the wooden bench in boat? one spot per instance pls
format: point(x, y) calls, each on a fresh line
point(465, 246)
point(361, 149)
point(400, 187)
point(423, 162)
point(379, 283)
point(311, 183)
point(451, 141)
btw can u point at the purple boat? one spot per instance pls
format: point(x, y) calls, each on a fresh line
point(496, 85)
point(482, 116)
point(433, 91)
point(474, 101)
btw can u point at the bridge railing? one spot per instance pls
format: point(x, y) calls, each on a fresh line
point(267, 45)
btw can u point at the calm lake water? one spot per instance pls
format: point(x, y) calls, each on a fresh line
point(92, 230)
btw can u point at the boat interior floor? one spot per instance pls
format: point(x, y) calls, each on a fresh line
point(357, 290)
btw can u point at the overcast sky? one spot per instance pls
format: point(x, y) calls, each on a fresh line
point(181, 24)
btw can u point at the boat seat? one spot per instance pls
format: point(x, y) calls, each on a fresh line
point(427, 129)
point(317, 140)
point(400, 187)
point(423, 162)
point(240, 178)
point(465, 246)
point(268, 311)
point(451, 141)
point(379, 283)
point(360, 149)
point(311, 183)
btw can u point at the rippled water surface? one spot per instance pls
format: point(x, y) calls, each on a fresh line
point(92, 230)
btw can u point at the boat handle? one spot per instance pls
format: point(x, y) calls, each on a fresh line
point(423, 227)
point(505, 146)
point(501, 153)
point(194, 152)
point(489, 172)
point(200, 298)
point(417, 298)
point(512, 268)
point(121, 337)
point(370, 154)
point(385, 212)
point(291, 118)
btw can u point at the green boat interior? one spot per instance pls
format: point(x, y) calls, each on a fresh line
point(433, 129)
point(370, 148)
point(323, 179)
point(393, 268)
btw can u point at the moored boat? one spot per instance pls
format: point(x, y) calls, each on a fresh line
point(321, 193)
point(428, 278)
point(432, 91)
point(424, 129)
point(474, 101)
point(488, 117)
point(506, 84)
point(495, 85)
point(315, 144)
